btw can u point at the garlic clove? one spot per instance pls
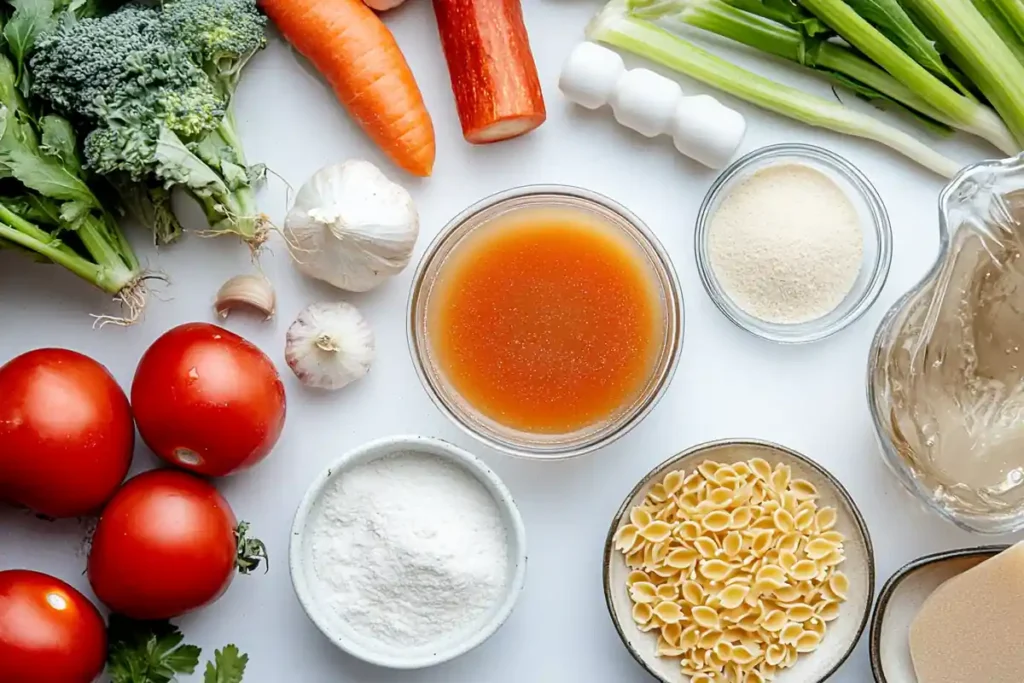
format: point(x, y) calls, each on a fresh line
point(330, 345)
point(246, 291)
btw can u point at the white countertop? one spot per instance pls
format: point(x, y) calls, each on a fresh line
point(729, 384)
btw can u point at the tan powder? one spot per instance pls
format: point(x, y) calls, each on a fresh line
point(786, 244)
point(971, 628)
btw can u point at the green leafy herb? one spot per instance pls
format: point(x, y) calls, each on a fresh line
point(147, 651)
point(228, 666)
point(31, 18)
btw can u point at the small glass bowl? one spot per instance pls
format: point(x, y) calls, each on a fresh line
point(499, 436)
point(877, 241)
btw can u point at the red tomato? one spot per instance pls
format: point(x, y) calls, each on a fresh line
point(207, 400)
point(49, 632)
point(165, 544)
point(66, 433)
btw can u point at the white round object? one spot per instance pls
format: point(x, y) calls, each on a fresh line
point(308, 587)
point(590, 74)
point(706, 130)
point(646, 101)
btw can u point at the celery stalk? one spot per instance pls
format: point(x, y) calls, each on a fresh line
point(615, 27)
point(961, 111)
point(976, 48)
point(1013, 11)
point(723, 18)
point(999, 20)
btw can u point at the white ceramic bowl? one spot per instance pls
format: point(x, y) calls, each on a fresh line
point(308, 586)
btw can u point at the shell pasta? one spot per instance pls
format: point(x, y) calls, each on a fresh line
point(734, 569)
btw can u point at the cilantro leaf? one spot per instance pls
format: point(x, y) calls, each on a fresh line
point(228, 666)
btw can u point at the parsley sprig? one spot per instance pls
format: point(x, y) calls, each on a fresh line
point(155, 652)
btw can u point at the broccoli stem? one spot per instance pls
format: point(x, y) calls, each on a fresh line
point(113, 268)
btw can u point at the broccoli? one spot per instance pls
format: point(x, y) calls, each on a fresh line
point(46, 206)
point(153, 86)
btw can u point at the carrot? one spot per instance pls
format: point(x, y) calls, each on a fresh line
point(359, 57)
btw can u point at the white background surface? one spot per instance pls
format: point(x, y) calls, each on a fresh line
point(729, 384)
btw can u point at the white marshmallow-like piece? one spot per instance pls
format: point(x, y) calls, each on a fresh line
point(706, 130)
point(645, 102)
point(590, 74)
point(701, 127)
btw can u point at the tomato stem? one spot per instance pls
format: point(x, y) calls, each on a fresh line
point(251, 551)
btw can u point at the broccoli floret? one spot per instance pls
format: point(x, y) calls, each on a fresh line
point(153, 86)
point(221, 34)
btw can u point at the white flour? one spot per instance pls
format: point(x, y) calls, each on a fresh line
point(786, 244)
point(410, 549)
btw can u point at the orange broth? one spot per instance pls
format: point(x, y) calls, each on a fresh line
point(546, 320)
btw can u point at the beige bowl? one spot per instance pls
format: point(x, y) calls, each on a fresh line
point(843, 633)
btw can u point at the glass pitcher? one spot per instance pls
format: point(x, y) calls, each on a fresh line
point(946, 370)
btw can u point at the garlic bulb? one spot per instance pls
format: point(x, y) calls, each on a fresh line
point(330, 345)
point(352, 227)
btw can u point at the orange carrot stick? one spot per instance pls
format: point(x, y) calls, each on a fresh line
point(358, 56)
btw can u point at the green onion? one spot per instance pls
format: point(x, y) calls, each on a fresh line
point(615, 27)
point(960, 111)
point(1013, 12)
point(723, 18)
point(1000, 21)
point(977, 49)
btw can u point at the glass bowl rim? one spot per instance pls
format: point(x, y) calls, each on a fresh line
point(879, 222)
point(674, 307)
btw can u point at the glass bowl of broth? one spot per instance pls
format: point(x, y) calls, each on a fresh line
point(546, 321)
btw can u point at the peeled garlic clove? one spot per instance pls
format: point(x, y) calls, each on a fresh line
point(246, 291)
point(330, 345)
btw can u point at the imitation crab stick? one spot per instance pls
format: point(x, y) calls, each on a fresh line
point(494, 78)
point(359, 57)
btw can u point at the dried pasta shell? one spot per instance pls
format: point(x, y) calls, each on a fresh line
point(693, 593)
point(783, 521)
point(800, 612)
point(702, 678)
point(804, 570)
point(706, 547)
point(819, 548)
point(753, 676)
point(667, 591)
point(689, 638)
point(690, 530)
point(656, 531)
point(657, 493)
point(790, 633)
point(672, 482)
point(764, 522)
point(708, 640)
point(669, 612)
point(640, 516)
point(787, 559)
point(665, 649)
point(682, 558)
point(826, 519)
point(833, 558)
point(790, 542)
point(789, 502)
point(762, 542)
point(626, 536)
point(643, 592)
point(635, 559)
point(665, 571)
point(803, 489)
point(715, 570)
point(716, 521)
point(713, 661)
point(705, 617)
point(771, 573)
point(839, 584)
point(642, 612)
point(804, 520)
point(733, 596)
point(708, 469)
point(816, 625)
point(723, 650)
point(732, 544)
point(774, 621)
point(761, 469)
point(741, 517)
point(720, 497)
point(637, 577)
point(788, 594)
point(781, 477)
point(808, 642)
point(775, 654)
point(671, 633)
